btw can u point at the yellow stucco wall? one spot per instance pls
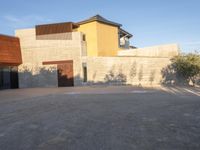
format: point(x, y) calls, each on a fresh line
point(107, 37)
point(102, 39)
point(90, 30)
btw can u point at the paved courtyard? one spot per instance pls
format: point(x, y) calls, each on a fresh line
point(100, 118)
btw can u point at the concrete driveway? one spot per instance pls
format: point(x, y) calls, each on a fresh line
point(100, 118)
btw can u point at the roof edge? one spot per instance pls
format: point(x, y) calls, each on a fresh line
point(99, 18)
point(122, 30)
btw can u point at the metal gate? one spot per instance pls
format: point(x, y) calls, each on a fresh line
point(65, 74)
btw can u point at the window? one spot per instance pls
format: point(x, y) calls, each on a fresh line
point(84, 37)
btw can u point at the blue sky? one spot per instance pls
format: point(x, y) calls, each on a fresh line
point(152, 22)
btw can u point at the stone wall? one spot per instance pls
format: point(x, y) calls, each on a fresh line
point(169, 50)
point(126, 70)
point(135, 67)
point(32, 73)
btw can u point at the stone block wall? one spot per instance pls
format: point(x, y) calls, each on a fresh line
point(126, 70)
point(135, 67)
point(169, 50)
point(32, 73)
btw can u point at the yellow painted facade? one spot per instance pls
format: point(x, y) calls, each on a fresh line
point(102, 39)
point(108, 42)
point(90, 31)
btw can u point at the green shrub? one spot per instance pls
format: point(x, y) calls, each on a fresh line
point(187, 66)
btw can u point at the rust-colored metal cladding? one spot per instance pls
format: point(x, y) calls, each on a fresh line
point(10, 52)
point(55, 28)
point(57, 62)
point(64, 71)
point(65, 75)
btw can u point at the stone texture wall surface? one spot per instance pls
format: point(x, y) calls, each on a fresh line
point(126, 70)
point(32, 73)
point(169, 50)
point(136, 67)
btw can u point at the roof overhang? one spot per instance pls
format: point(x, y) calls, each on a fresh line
point(100, 19)
point(124, 33)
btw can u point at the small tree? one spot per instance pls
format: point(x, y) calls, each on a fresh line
point(187, 66)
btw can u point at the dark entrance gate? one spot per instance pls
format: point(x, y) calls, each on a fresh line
point(8, 78)
point(64, 71)
point(65, 74)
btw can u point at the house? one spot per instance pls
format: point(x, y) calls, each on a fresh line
point(104, 37)
point(92, 51)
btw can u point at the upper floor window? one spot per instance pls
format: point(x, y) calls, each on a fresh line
point(84, 37)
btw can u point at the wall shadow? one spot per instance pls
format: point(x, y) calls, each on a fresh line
point(42, 77)
point(133, 71)
point(152, 76)
point(115, 76)
point(172, 78)
point(48, 77)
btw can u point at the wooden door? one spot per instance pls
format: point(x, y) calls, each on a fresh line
point(65, 74)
